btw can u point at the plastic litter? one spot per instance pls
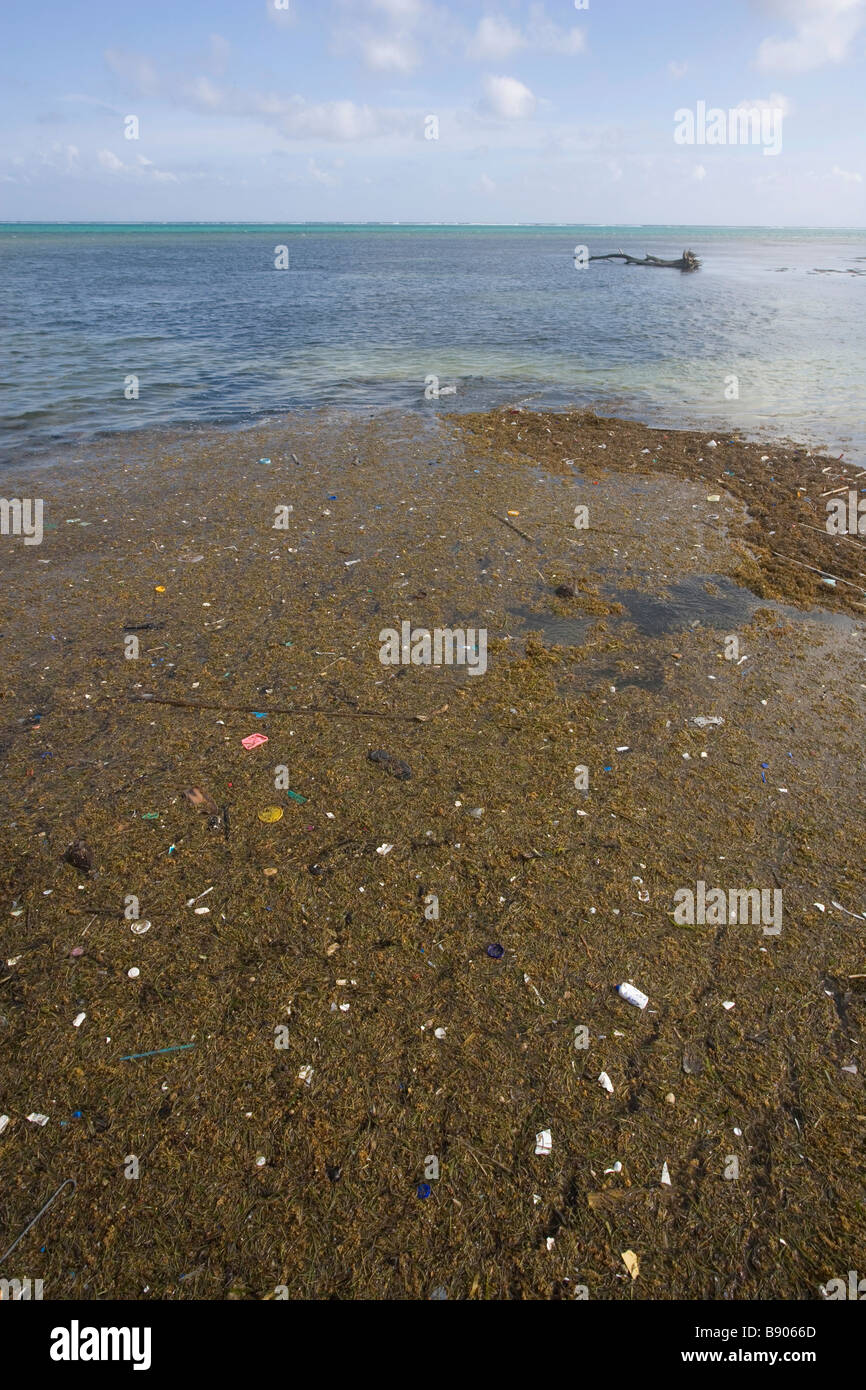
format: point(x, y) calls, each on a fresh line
point(605, 1081)
point(702, 720)
point(496, 952)
point(543, 1142)
point(423, 1189)
point(306, 1074)
point(271, 814)
point(666, 1177)
point(254, 740)
point(37, 1119)
point(631, 1262)
point(78, 1020)
point(632, 995)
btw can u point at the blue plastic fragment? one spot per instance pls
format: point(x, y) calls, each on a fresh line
point(424, 1190)
point(496, 951)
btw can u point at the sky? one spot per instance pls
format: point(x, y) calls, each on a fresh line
point(426, 111)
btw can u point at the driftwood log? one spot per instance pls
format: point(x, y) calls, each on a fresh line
point(687, 261)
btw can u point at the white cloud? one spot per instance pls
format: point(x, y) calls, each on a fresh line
point(487, 184)
point(294, 117)
point(774, 102)
point(110, 161)
point(390, 55)
point(677, 69)
point(846, 175)
point(496, 38)
point(823, 33)
point(508, 98)
point(699, 173)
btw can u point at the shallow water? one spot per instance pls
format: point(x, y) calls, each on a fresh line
point(363, 316)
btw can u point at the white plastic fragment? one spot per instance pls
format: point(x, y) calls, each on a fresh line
point(306, 1074)
point(728, 1003)
point(134, 972)
point(439, 1033)
point(702, 720)
point(78, 1020)
point(606, 1082)
point(36, 1119)
point(852, 1068)
point(633, 995)
point(617, 1168)
point(139, 928)
point(666, 1177)
point(543, 1141)
point(4, 1120)
point(384, 849)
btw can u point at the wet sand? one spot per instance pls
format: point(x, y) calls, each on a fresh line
point(455, 522)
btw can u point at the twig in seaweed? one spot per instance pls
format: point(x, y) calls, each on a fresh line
point(284, 709)
point(37, 1216)
point(517, 529)
point(823, 573)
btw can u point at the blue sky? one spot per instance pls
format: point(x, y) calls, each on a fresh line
point(545, 112)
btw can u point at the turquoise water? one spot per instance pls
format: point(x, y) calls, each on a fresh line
point(365, 314)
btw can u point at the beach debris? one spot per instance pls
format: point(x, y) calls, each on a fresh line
point(670, 1098)
point(306, 1074)
point(728, 1004)
point(617, 1168)
point(833, 903)
point(384, 849)
point(631, 1262)
point(201, 801)
point(395, 767)
point(4, 1120)
point(702, 720)
point(476, 812)
point(712, 444)
point(543, 1142)
point(527, 981)
point(605, 1081)
point(271, 814)
point(133, 972)
point(157, 1051)
point(80, 856)
point(423, 1190)
point(564, 591)
point(78, 1020)
point(714, 497)
point(254, 740)
point(138, 928)
point(666, 1177)
point(440, 1033)
point(39, 1213)
point(260, 1158)
point(632, 995)
point(852, 1068)
point(296, 796)
point(693, 1062)
point(687, 261)
point(36, 1119)
point(495, 951)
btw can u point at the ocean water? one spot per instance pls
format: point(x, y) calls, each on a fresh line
point(769, 337)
